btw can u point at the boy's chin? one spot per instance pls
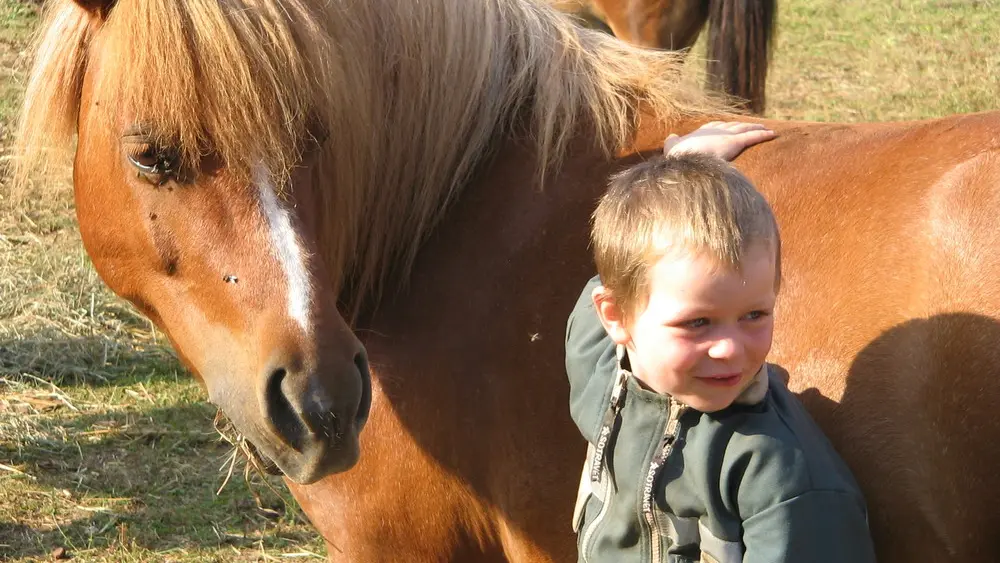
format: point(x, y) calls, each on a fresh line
point(707, 404)
point(714, 399)
point(710, 407)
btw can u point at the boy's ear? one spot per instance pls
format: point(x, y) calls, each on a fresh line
point(611, 315)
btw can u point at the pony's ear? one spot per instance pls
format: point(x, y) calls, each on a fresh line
point(98, 7)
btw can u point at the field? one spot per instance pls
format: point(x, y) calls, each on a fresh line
point(107, 448)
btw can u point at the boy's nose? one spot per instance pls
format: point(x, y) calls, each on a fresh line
point(725, 347)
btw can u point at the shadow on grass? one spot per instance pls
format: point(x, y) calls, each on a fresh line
point(92, 361)
point(133, 479)
point(114, 470)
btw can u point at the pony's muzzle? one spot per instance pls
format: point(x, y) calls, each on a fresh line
point(315, 419)
point(289, 410)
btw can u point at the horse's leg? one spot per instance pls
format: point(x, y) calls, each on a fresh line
point(739, 39)
point(739, 36)
point(661, 24)
point(583, 11)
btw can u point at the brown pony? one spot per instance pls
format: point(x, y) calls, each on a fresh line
point(739, 35)
point(281, 185)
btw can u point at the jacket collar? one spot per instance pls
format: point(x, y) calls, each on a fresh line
point(756, 391)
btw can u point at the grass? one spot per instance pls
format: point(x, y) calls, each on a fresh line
point(856, 60)
point(17, 19)
point(106, 444)
point(129, 472)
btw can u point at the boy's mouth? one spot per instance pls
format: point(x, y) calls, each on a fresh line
point(722, 380)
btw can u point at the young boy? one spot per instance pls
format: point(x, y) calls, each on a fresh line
point(697, 451)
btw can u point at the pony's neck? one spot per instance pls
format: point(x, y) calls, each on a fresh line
point(446, 82)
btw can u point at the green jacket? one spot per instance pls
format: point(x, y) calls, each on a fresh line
point(757, 482)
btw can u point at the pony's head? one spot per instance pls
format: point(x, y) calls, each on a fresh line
point(191, 217)
point(249, 173)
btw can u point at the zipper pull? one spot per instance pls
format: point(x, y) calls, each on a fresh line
point(610, 416)
point(675, 409)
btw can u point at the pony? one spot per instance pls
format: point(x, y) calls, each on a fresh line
point(739, 36)
point(362, 224)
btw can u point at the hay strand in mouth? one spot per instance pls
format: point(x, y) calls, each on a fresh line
point(254, 463)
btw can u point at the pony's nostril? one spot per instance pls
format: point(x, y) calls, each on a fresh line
point(283, 416)
point(361, 363)
point(364, 405)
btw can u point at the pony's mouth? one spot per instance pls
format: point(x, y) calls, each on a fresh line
point(331, 447)
point(255, 460)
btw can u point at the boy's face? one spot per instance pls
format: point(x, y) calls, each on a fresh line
point(705, 330)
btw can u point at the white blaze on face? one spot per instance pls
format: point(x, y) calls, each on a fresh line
point(286, 248)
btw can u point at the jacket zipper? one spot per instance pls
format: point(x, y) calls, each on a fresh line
point(589, 533)
point(608, 424)
point(603, 438)
point(667, 442)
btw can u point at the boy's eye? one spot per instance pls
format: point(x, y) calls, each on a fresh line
point(755, 315)
point(695, 323)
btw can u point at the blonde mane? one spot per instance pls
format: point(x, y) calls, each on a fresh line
point(410, 97)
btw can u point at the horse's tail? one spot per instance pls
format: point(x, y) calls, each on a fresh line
point(739, 43)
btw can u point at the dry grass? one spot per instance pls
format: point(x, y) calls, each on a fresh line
point(106, 446)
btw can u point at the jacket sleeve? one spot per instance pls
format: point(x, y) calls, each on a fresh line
point(816, 526)
point(590, 364)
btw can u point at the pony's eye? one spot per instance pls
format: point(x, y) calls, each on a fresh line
point(154, 163)
point(146, 157)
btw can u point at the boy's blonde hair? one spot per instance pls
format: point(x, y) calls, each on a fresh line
point(689, 202)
